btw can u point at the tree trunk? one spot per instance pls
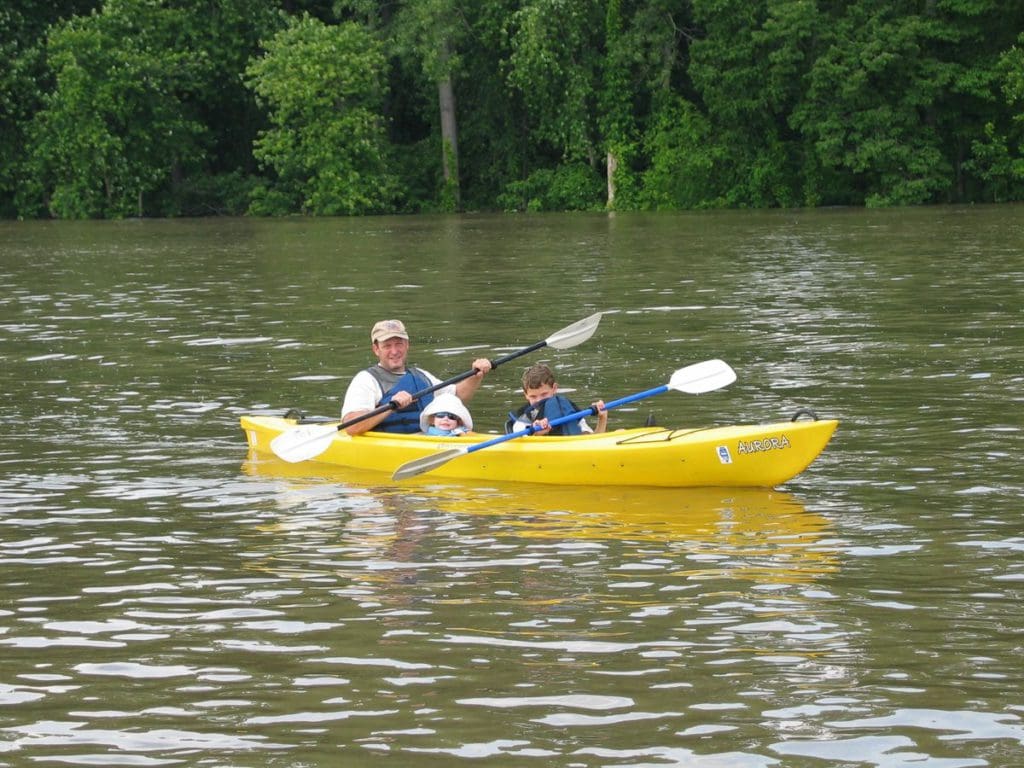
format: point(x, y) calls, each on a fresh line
point(613, 164)
point(449, 140)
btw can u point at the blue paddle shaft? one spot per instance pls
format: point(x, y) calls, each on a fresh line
point(569, 417)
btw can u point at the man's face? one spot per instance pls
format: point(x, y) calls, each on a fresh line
point(391, 353)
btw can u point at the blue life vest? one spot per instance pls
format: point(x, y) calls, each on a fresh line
point(552, 408)
point(405, 420)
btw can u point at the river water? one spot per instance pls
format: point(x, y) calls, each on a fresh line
point(166, 599)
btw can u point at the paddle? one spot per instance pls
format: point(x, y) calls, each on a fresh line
point(310, 440)
point(693, 379)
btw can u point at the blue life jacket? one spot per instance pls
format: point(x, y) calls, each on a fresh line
point(552, 408)
point(405, 420)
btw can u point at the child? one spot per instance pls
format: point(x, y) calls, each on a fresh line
point(544, 404)
point(446, 416)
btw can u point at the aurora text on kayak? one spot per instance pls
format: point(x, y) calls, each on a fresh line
point(768, 444)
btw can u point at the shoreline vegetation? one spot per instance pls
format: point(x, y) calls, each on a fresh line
point(168, 108)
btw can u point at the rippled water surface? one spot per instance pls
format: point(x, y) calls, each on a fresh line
point(169, 600)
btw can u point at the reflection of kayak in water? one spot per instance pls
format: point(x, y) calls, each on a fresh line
point(762, 533)
point(761, 455)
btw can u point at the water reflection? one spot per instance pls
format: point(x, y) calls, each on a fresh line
point(538, 594)
point(739, 533)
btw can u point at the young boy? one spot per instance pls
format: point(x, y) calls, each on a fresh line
point(544, 404)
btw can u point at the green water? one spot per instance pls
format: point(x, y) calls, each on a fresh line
point(167, 600)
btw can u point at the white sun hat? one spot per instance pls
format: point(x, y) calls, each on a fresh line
point(448, 403)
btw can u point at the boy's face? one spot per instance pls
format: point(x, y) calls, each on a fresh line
point(535, 394)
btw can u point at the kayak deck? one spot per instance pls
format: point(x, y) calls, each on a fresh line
point(763, 455)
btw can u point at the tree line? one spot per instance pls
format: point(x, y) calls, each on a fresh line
point(119, 108)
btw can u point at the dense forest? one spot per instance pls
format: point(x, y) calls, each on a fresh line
point(122, 108)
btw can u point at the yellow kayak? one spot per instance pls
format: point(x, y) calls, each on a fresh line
point(763, 455)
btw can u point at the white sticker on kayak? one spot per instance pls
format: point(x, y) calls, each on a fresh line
point(723, 454)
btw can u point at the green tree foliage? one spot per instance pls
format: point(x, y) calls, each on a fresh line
point(997, 157)
point(426, 39)
point(495, 145)
point(893, 100)
point(23, 25)
point(430, 33)
point(569, 187)
point(655, 149)
point(18, 94)
point(228, 33)
point(683, 158)
point(617, 121)
point(324, 88)
point(746, 68)
point(115, 126)
point(555, 65)
point(169, 107)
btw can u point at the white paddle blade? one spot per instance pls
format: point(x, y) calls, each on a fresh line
point(305, 442)
point(702, 377)
point(574, 334)
point(427, 463)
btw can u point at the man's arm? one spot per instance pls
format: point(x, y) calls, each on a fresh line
point(366, 424)
point(361, 397)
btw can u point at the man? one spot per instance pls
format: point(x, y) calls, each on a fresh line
point(391, 380)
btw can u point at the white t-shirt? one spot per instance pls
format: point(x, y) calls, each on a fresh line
point(364, 392)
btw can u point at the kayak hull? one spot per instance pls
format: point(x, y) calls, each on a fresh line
point(763, 455)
